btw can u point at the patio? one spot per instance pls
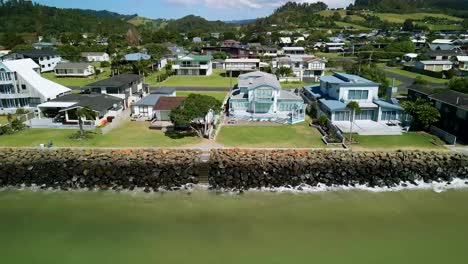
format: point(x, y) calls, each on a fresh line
point(370, 128)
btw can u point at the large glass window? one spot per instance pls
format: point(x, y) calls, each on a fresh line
point(358, 95)
point(263, 93)
point(389, 115)
point(261, 108)
point(365, 115)
point(342, 116)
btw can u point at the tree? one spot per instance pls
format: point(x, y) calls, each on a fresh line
point(408, 25)
point(157, 51)
point(355, 109)
point(459, 85)
point(420, 81)
point(372, 73)
point(450, 73)
point(423, 113)
point(195, 106)
point(10, 40)
point(336, 16)
point(69, 52)
point(22, 47)
point(284, 71)
point(84, 113)
point(220, 55)
point(133, 37)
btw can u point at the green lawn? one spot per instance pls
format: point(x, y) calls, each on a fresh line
point(218, 95)
point(132, 134)
point(344, 24)
point(400, 18)
point(418, 227)
point(414, 75)
point(410, 141)
point(285, 136)
point(71, 81)
point(217, 79)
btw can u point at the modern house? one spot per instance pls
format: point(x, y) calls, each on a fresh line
point(128, 87)
point(305, 67)
point(46, 59)
point(74, 69)
point(61, 112)
point(237, 66)
point(95, 56)
point(435, 66)
point(377, 117)
point(293, 50)
point(258, 96)
point(193, 65)
point(452, 106)
point(22, 86)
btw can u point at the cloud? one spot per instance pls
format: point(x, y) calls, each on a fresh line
point(253, 4)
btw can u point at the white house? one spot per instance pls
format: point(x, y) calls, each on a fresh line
point(304, 67)
point(334, 93)
point(21, 86)
point(95, 56)
point(71, 69)
point(462, 62)
point(194, 65)
point(285, 40)
point(47, 59)
point(293, 50)
point(241, 65)
point(435, 66)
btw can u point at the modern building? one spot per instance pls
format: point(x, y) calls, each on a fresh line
point(334, 93)
point(61, 112)
point(74, 69)
point(128, 87)
point(305, 67)
point(452, 106)
point(95, 56)
point(241, 65)
point(46, 59)
point(194, 65)
point(22, 86)
point(258, 96)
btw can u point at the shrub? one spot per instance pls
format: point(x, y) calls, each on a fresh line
point(21, 111)
point(322, 120)
point(105, 64)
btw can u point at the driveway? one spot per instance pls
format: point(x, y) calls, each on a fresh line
point(406, 81)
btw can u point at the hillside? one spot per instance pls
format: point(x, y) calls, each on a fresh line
point(459, 7)
point(22, 16)
point(149, 23)
point(195, 23)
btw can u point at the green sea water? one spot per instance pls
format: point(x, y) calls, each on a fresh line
point(332, 227)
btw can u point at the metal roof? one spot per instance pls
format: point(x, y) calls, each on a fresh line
point(150, 100)
point(333, 105)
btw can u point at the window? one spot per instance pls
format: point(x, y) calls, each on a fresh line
point(389, 115)
point(342, 116)
point(263, 93)
point(358, 94)
point(23, 86)
point(365, 115)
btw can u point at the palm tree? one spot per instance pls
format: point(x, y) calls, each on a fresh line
point(356, 109)
point(84, 113)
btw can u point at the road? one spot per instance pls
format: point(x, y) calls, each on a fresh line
point(406, 81)
point(201, 89)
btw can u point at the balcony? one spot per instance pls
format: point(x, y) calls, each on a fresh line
point(241, 67)
point(14, 96)
point(191, 66)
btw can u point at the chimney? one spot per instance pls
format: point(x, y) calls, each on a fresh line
point(458, 101)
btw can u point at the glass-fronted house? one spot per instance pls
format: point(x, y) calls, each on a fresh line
point(258, 96)
point(335, 92)
point(194, 65)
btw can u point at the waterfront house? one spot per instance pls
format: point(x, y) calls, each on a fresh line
point(194, 65)
point(332, 95)
point(435, 66)
point(61, 112)
point(74, 69)
point(145, 108)
point(128, 87)
point(259, 96)
point(46, 59)
point(452, 106)
point(164, 106)
point(95, 56)
point(22, 86)
point(305, 67)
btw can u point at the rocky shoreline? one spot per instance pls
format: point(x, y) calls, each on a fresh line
point(227, 169)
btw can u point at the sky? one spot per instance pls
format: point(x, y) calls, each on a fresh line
point(209, 9)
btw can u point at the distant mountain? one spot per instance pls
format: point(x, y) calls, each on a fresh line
point(195, 23)
point(240, 22)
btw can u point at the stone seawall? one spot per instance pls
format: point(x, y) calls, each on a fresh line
point(102, 169)
point(242, 169)
point(227, 169)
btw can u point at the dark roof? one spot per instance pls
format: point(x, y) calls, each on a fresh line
point(96, 102)
point(37, 53)
point(427, 90)
point(72, 65)
point(443, 53)
point(117, 80)
point(457, 99)
point(162, 90)
point(169, 103)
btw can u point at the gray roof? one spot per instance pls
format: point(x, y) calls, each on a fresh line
point(37, 53)
point(289, 96)
point(150, 100)
point(344, 79)
point(116, 81)
point(162, 90)
point(457, 99)
point(435, 62)
point(85, 54)
point(72, 65)
point(96, 102)
point(333, 105)
point(255, 79)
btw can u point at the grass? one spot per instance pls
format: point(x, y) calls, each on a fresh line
point(409, 141)
point(397, 82)
point(72, 81)
point(131, 134)
point(400, 18)
point(285, 136)
point(3, 120)
point(414, 75)
point(344, 24)
point(218, 95)
point(330, 228)
point(217, 79)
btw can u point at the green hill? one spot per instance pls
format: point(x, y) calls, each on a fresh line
point(195, 23)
